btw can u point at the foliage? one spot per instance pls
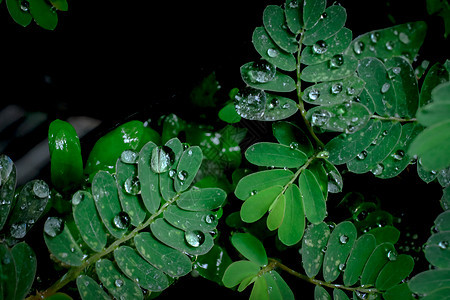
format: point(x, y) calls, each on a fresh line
point(146, 208)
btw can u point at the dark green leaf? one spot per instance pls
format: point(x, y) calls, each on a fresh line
point(89, 289)
point(394, 271)
point(339, 246)
point(294, 15)
point(293, 225)
point(312, 10)
point(377, 260)
point(213, 264)
point(442, 222)
point(436, 75)
point(25, 264)
point(187, 168)
point(334, 180)
point(434, 113)
point(190, 220)
point(250, 247)
point(267, 48)
point(169, 260)
point(43, 14)
point(8, 271)
point(275, 24)
point(260, 289)
point(276, 213)
point(399, 292)
point(7, 187)
point(88, 221)
point(277, 155)
point(19, 15)
point(238, 271)
point(148, 179)
point(290, 134)
point(204, 94)
point(313, 248)
point(312, 197)
point(429, 281)
point(202, 199)
point(258, 204)
point(228, 114)
point(337, 67)
point(340, 295)
point(277, 287)
point(321, 293)
point(437, 249)
point(166, 180)
point(359, 255)
point(116, 283)
point(385, 234)
point(258, 181)
point(330, 22)
point(257, 76)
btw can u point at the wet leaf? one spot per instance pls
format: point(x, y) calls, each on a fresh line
point(330, 22)
point(43, 14)
point(8, 279)
point(149, 180)
point(202, 199)
point(277, 155)
point(377, 260)
point(279, 83)
point(89, 289)
point(276, 213)
point(25, 264)
point(255, 207)
point(19, 16)
point(277, 287)
point(213, 264)
point(337, 67)
point(436, 75)
point(437, 249)
point(293, 224)
point(250, 247)
point(259, 290)
point(394, 272)
point(442, 221)
point(190, 220)
point(275, 24)
point(7, 187)
point(358, 257)
point(238, 271)
point(290, 134)
point(385, 234)
point(429, 281)
point(313, 248)
point(312, 197)
point(312, 10)
point(294, 15)
point(187, 168)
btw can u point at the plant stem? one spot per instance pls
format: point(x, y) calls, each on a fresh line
point(393, 119)
point(273, 263)
point(74, 272)
point(300, 104)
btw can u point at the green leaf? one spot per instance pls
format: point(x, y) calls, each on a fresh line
point(430, 281)
point(257, 75)
point(326, 49)
point(436, 75)
point(193, 242)
point(250, 247)
point(434, 113)
point(60, 4)
point(313, 248)
point(228, 114)
point(312, 11)
point(172, 127)
point(345, 147)
point(334, 180)
point(276, 213)
point(312, 197)
point(394, 272)
point(277, 287)
point(358, 257)
point(25, 264)
point(258, 181)
point(88, 221)
point(340, 295)
point(270, 51)
point(43, 14)
point(8, 279)
point(331, 21)
point(258, 204)
point(213, 264)
point(437, 249)
point(275, 24)
point(337, 67)
point(400, 291)
point(7, 187)
point(259, 291)
point(190, 220)
point(166, 180)
point(202, 199)
point(277, 155)
point(294, 15)
point(442, 222)
point(377, 260)
point(238, 271)
point(169, 260)
point(20, 16)
point(290, 134)
point(378, 150)
point(321, 293)
point(104, 191)
point(89, 289)
point(116, 283)
point(139, 270)
point(293, 224)
point(65, 155)
point(400, 40)
point(187, 168)
point(334, 92)
point(385, 234)
point(339, 246)
point(150, 191)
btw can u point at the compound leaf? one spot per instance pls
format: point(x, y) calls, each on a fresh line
point(331, 21)
point(89, 289)
point(274, 22)
point(394, 272)
point(258, 204)
point(337, 67)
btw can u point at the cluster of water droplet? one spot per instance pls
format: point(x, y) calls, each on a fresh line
point(250, 103)
point(258, 72)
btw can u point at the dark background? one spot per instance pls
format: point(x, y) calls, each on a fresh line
point(118, 60)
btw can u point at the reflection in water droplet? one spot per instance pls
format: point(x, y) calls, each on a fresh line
point(162, 159)
point(385, 87)
point(336, 88)
point(132, 185)
point(398, 155)
point(392, 255)
point(320, 47)
point(129, 157)
point(374, 36)
point(182, 175)
point(358, 47)
point(53, 226)
point(396, 70)
point(254, 192)
point(272, 52)
point(77, 198)
point(377, 170)
point(209, 219)
point(41, 189)
point(172, 173)
point(334, 182)
point(320, 117)
point(194, 238)
point(274, 103)
point(121, 220)
point(118, 282)
point(362, 155)
point(250, 103)
point(343, 239)
point(341, 267)
point(293, 145)
point(390, 45)
point(24, 6)
point(336, 61)
point(18, 230)
point(258, 72)
point(443, 244)
point(313, 94)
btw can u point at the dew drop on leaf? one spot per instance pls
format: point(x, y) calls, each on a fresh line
point(341, 267)
point(121, 220)
point(77, 198)
point(398, 155)
point(53, 226)
point(209, 218)
point(118, 282)
point(336, 88)
point(293, 145)
point(258, 72)
point(132, 185)
point(182, 175)
point(396, 70)
point(172, 173)
point(334, 182)
point(41, 189)
point(313, 94)
point(320, 47)
point(377, 170)
point(162, 159)
point(129, 157)
point(443, 244)
point(194, 238)
point(336, 61)
point(18, 230)
point(385, 87)
point(358, 47)
point(374, 36)
point(320, 117)
point(250, 103)
point(392, 255)
point(361, 155)
point(274, 103)
point(389, 45)
point(404, 38)
point(343, 239)
point(272, 52)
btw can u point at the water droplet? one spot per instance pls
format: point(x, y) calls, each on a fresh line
point(390, 45)
point(182, 175)
point(443, 244)
point(313, 94)
point(336, 61)
point(392, 255)
point(132, 185)
point(77, 198)
point(320, 47)
point(343, 239)
point(293, 145)
point(209, 219)
point(404, 38)
point(336, 88)
point(172, 173)
point(324, 15)
point(398, 155)
point(374, 36)
point(41, 189)
point(385, 87)
point(258, 72)
point(320, 117)
point(273, 52)
point(274, 103)
point(53, 226)
point(293, 4)
point(129, 157)
point(118, 282)
point(254, 192)
point(396, 70)
point(24, 6)
point(377, 170)
point(18, 230)
point(323, 154)
point(121, 220)
point(358, 47)
point(194, 238)
point(286, 106)
point(162, 159)
point(341, 267)
point(250, 103)
point(334, 182)
point(362, 155)
point(351, 91)
point(185, 146)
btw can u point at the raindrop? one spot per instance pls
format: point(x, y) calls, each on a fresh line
point(377, 170)
point(132, 185)
point(358, 47)
point(254, 192)
point(396, 70)
point(24, 6)
point(18, 231)
point(374, 36)
point(320, 47)
point(273, 52)
point(250, 103)
point(121, 220)
point(350, 91)
point(403, 37)
point(341, 267)
point(343, 239)
point(443, 244)
point(323, 16)
point(286, 106)
point(185, 146)
point(182, 175)
point(313, 94)
point(53, 226)
point(334, 182)
point(336, 61)
point(6, 166)
point(40, 189)
point(209, 219)
point(398, 155)
point(389, 45)
point(162, 159)
point(274, 103)
point(172, 173)
point(258, 72)
point(320, 117)
point(77, 198)
point(129, 157)
point(293, 145)
point(118, 282)
point(384, 133)
point(194, 238)
point(336, 88)
point(323, 154)
point(392, 255)
point(385, 87)
point(362, 155)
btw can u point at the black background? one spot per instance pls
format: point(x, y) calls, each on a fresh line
point(119, 60)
